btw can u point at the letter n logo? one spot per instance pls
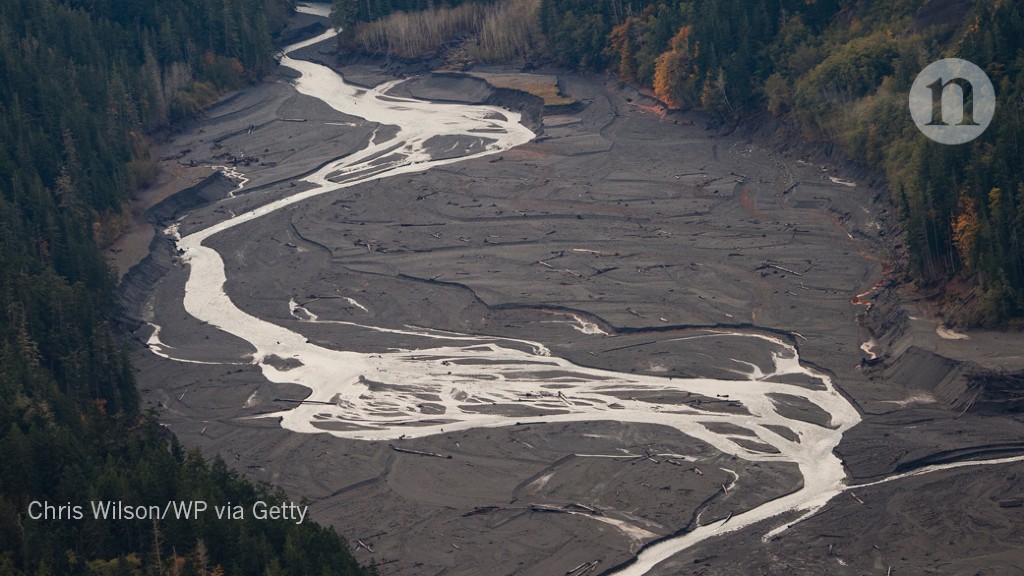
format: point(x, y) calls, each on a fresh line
point(966, 101)
point(941, 83)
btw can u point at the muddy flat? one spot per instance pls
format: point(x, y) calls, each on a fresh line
point(553, 354)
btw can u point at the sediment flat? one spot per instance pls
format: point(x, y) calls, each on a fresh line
point(613, 238)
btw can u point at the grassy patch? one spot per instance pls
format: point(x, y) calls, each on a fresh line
point(544, 86)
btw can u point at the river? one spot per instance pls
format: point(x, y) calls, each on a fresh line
point(451, 381)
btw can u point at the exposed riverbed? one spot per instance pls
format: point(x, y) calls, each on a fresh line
point(474, 351)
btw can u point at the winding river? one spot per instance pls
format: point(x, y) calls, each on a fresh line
point(462, 381)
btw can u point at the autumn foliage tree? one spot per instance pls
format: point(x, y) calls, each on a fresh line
point(966, 227)
point(675, 73)
point(621, 43)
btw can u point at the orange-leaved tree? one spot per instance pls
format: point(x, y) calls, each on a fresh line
point(675, 72)
point(966, 227)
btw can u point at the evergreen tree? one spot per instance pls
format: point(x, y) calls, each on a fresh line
point(81, 83)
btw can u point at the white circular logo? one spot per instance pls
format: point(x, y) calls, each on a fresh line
point(952, 101)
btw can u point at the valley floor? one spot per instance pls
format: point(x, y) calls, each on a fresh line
point(614, 237)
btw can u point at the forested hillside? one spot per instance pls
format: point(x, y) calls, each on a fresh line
point(82, 83)
point(841, 71)
point(838, 71)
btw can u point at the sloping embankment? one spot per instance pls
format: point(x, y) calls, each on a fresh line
point(959, 384)
point(903, 360)
point(137, 285)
